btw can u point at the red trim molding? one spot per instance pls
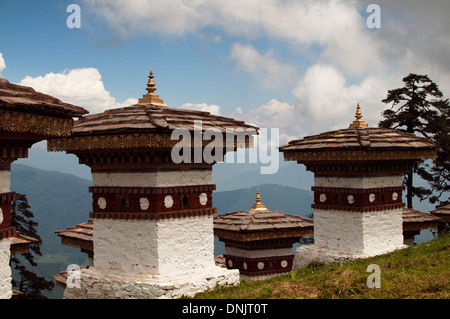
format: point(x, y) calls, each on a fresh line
point(260, 266)
point(358, 200)
point(154, 216)
point(8, 232)
point(5, 205)
point(151, 199)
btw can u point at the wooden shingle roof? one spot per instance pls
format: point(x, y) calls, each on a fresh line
point(17, 97)
point(259, 223)
point(147, 124)
point(414, 220)
point(359, 143)
point(151, 118)
point(443, 213)
point(79, 236)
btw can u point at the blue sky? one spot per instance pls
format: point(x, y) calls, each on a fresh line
point(313, 59)
point(192, 68)
point(300, 66)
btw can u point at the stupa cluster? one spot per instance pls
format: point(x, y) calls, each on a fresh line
point(152, 225)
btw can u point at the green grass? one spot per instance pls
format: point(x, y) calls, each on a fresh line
point(418, 272)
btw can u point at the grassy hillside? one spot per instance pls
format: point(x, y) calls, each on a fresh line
point(418, 272)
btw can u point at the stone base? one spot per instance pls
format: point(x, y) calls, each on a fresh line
point(5, 269)
point(94, 284)
point(304, 255)
point(261, 277)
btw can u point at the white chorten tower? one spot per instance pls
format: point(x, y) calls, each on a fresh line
point(358, 177)
point(152, 214)
point(26, 117)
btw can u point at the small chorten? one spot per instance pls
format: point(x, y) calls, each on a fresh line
point(151, 214)
point(259, 241)
point(151, 97)
point(358, 185)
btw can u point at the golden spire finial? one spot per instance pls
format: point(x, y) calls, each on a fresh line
point(151, 97)
point(151, 83)
point(258, 205)
point(358, 122)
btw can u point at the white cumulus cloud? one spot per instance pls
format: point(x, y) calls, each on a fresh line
point(342, 60)
point(275, 114)
point(211, 108)
point(2, 64)
point(82, 87)
point(265, 67)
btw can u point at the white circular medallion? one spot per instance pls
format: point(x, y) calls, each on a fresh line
point(284, 263)
point(244, 265)
point(101, 202)
point(394, 196)
point(371, 197)
point(230, 263)
point(1, 216)
point(350, 199)
point(168, 201)
point(260, 265)
point(144, 203)
point(322, 198)
point(203, 198)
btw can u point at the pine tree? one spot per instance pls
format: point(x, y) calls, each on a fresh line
point(29, 283)
point(438, 174)
point(418, 107)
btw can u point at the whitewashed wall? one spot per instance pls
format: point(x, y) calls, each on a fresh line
point(5, 181)
point(355, 232)
point(153, 179)
point(165, 246)
point(359, 182)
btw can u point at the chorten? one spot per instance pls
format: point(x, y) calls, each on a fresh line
point(26, 117)
point(259, 241)
point(358, 177)
point(152, 218)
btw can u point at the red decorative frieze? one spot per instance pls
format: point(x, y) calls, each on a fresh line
point(370, 168)
point(108, 161)
point(5, 206)
point(154, 216)
point(260, 266)
point(7, 232)
point(359, 209)
point(273, 243)
point(151, 199)
point(355, 199)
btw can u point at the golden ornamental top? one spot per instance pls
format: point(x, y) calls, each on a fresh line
point(151, 97)
point(358, 122)
point(258, 205)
